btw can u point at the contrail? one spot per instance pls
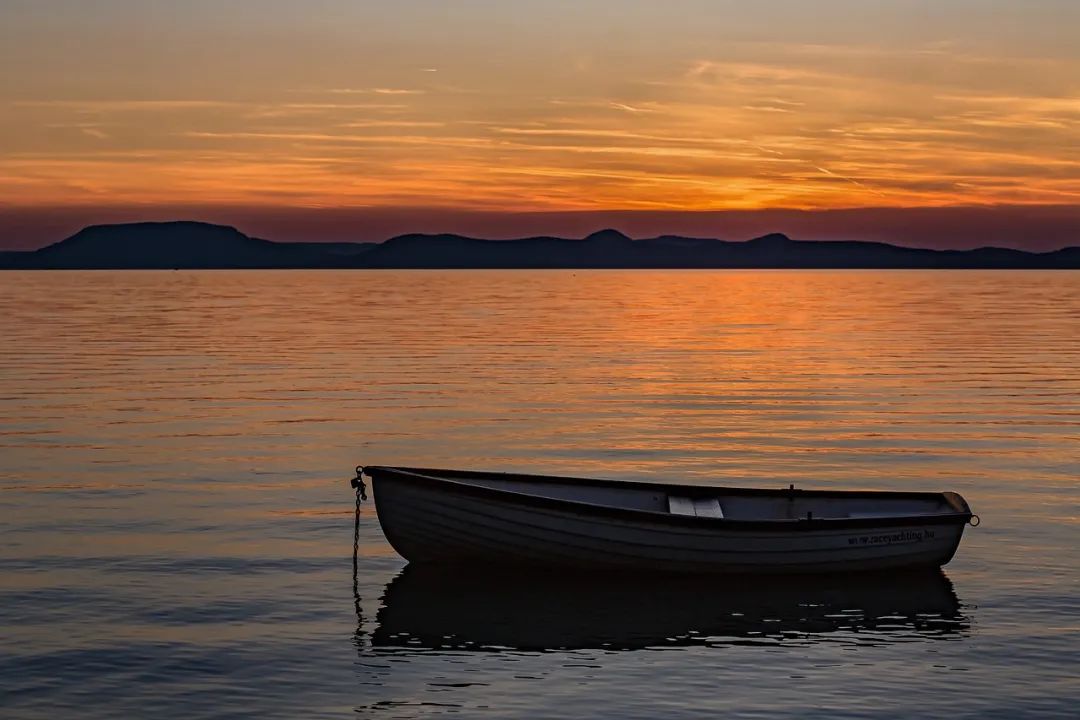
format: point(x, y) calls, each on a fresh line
point(826, 171)
point(853, 181)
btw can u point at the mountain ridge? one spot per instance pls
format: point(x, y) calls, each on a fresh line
point(196, 245)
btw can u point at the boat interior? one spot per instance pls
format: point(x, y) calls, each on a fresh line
point(729, 504)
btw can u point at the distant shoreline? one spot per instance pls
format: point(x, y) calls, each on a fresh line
point(187, 245)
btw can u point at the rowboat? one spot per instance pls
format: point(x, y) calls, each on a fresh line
point(478, 610)
point(461, 517)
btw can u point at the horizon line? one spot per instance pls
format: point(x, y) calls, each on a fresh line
point(1032, 228)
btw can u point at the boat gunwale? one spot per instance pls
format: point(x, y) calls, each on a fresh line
point(437, 478)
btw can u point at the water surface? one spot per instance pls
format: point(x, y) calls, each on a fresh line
point(177, 526)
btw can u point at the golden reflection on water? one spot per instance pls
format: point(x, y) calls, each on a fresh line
point(774, 375)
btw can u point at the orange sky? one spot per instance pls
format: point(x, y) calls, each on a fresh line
point(684, 105)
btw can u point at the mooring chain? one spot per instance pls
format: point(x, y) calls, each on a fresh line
point(361, 495)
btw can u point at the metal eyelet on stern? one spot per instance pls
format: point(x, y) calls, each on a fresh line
point(974, 521)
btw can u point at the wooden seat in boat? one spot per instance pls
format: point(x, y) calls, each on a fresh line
point(701, 507)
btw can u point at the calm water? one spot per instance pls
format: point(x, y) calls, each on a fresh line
point(176, 531)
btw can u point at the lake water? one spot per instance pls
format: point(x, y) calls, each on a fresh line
point(177, 527)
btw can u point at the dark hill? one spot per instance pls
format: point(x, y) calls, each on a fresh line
point(612, 249)
point(201, 245)
point(179, 245)
point(607, 248)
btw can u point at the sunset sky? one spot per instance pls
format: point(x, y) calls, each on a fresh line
point(348, 119)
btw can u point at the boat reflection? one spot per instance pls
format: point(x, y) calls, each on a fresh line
point(434, 609)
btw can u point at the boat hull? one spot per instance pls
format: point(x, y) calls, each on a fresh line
point(432, 523)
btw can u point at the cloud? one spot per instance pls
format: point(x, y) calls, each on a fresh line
point(753, 125)
point(124, 105)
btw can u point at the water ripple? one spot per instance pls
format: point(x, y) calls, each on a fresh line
point(174, 448)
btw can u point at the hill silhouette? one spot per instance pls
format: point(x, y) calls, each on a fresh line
point(180, 244)
point(196, 245)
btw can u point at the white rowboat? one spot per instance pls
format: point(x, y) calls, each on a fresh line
point(462, 517)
